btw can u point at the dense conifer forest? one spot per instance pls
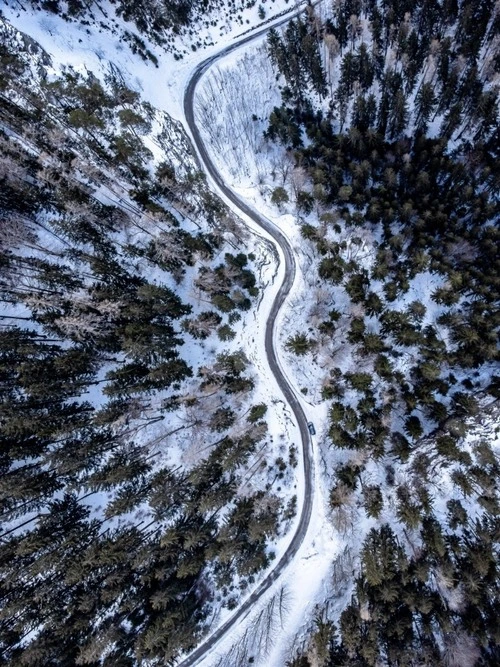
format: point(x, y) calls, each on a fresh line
point(390, 113)
point(141, 491)
point(110, 552)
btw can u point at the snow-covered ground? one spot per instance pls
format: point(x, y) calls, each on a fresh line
point(92, 48)
point(252, 168)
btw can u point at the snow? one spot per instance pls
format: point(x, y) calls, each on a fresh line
point(91, 48)
point(307, 578)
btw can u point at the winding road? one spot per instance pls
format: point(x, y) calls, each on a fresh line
point(290, 270)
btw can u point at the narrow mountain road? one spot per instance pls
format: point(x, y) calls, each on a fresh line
point(290, 270)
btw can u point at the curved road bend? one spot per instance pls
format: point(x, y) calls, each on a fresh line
point(290, 270)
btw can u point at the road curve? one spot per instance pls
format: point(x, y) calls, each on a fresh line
point(290, 270)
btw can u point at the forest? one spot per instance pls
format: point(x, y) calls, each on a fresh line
point(126, 441)
point(390, 115)
point(146, 481)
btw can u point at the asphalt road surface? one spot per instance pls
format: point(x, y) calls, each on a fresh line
point(290, 268)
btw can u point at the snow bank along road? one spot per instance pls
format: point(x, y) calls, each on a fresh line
point(290, 269)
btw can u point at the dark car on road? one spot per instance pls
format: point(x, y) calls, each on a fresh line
point(311, 428)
